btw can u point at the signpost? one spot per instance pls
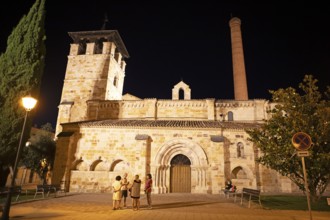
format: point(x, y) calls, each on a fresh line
point(302, 142)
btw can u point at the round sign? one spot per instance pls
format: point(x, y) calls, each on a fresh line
point(301, 141)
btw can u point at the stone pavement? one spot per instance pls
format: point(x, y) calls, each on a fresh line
point(172, 206)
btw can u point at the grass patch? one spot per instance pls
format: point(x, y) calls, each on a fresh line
point(286, 202)
point(13, 199)
point(25, 196)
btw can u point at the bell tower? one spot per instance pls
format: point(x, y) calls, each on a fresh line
point(95, 71)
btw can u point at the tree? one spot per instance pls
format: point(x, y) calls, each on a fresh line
point(307, 112)
point(21, 69)
point(40, 155)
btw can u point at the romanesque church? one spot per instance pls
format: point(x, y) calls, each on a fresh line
point(188, 145)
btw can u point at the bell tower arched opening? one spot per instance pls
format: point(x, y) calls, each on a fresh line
point(181, 91)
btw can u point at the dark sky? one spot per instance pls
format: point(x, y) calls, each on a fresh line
point(171, 41)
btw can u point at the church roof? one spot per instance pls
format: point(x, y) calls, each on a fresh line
point(187, 124)
point(93, 36)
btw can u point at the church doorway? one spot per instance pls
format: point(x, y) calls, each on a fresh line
point(180, 174)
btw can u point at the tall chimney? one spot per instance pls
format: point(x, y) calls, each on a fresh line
point(240, 86)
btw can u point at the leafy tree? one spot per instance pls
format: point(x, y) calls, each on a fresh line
point(21, 69)
point(39, 156)
point(309, 112)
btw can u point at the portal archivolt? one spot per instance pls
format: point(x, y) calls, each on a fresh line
point(190, 150)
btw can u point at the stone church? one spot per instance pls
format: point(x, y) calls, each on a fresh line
point(188, 145)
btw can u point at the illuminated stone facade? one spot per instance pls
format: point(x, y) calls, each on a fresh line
point(182, 141)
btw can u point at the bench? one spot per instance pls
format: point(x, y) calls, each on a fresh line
point(251, 194)
point(42, 189)
point(60, 189)
point(227, 193)
point(16, 191)
point(28, 188)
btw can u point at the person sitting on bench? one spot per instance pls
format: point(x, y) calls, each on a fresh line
point(229, 187)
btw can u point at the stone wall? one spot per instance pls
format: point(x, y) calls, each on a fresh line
point(98, 154)
point(204, 109)
point(90, 76)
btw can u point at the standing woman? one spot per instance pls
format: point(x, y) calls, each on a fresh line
point(124, 187)
point(116, 196)
point(147, 189)
point(135, 193)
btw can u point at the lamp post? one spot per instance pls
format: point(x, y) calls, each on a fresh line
point(28, 104)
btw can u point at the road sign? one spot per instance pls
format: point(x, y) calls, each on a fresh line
point(303, 153)
point(301, 141)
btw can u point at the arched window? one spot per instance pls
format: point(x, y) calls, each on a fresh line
point(82, 48)
point(181, 93)
point(238, 173)
point(115, 81)
point(240, 149)
point(98, 47)
point(230, 116)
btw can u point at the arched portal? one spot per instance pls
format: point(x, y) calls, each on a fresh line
point(180, 174)
point(189, 150)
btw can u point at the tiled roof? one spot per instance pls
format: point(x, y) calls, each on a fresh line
point(169, 124)
point(93, 36)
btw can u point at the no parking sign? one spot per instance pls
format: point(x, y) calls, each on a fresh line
point(302, 142)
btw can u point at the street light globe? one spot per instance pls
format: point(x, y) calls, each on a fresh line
point(29, 103)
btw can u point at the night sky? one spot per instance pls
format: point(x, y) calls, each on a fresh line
point(171, 41)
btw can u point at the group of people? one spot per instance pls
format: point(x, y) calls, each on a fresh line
point(122, 188)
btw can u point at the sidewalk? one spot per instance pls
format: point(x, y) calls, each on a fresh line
point(165, 206)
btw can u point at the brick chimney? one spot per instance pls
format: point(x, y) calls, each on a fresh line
point(240, 85)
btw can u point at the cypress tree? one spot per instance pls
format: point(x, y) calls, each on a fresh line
point(21, 69)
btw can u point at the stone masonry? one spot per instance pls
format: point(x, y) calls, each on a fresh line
point(187, 145)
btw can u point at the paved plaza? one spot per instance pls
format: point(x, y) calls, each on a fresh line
point(165, 206)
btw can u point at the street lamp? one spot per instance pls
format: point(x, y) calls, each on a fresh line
point(28, 103)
